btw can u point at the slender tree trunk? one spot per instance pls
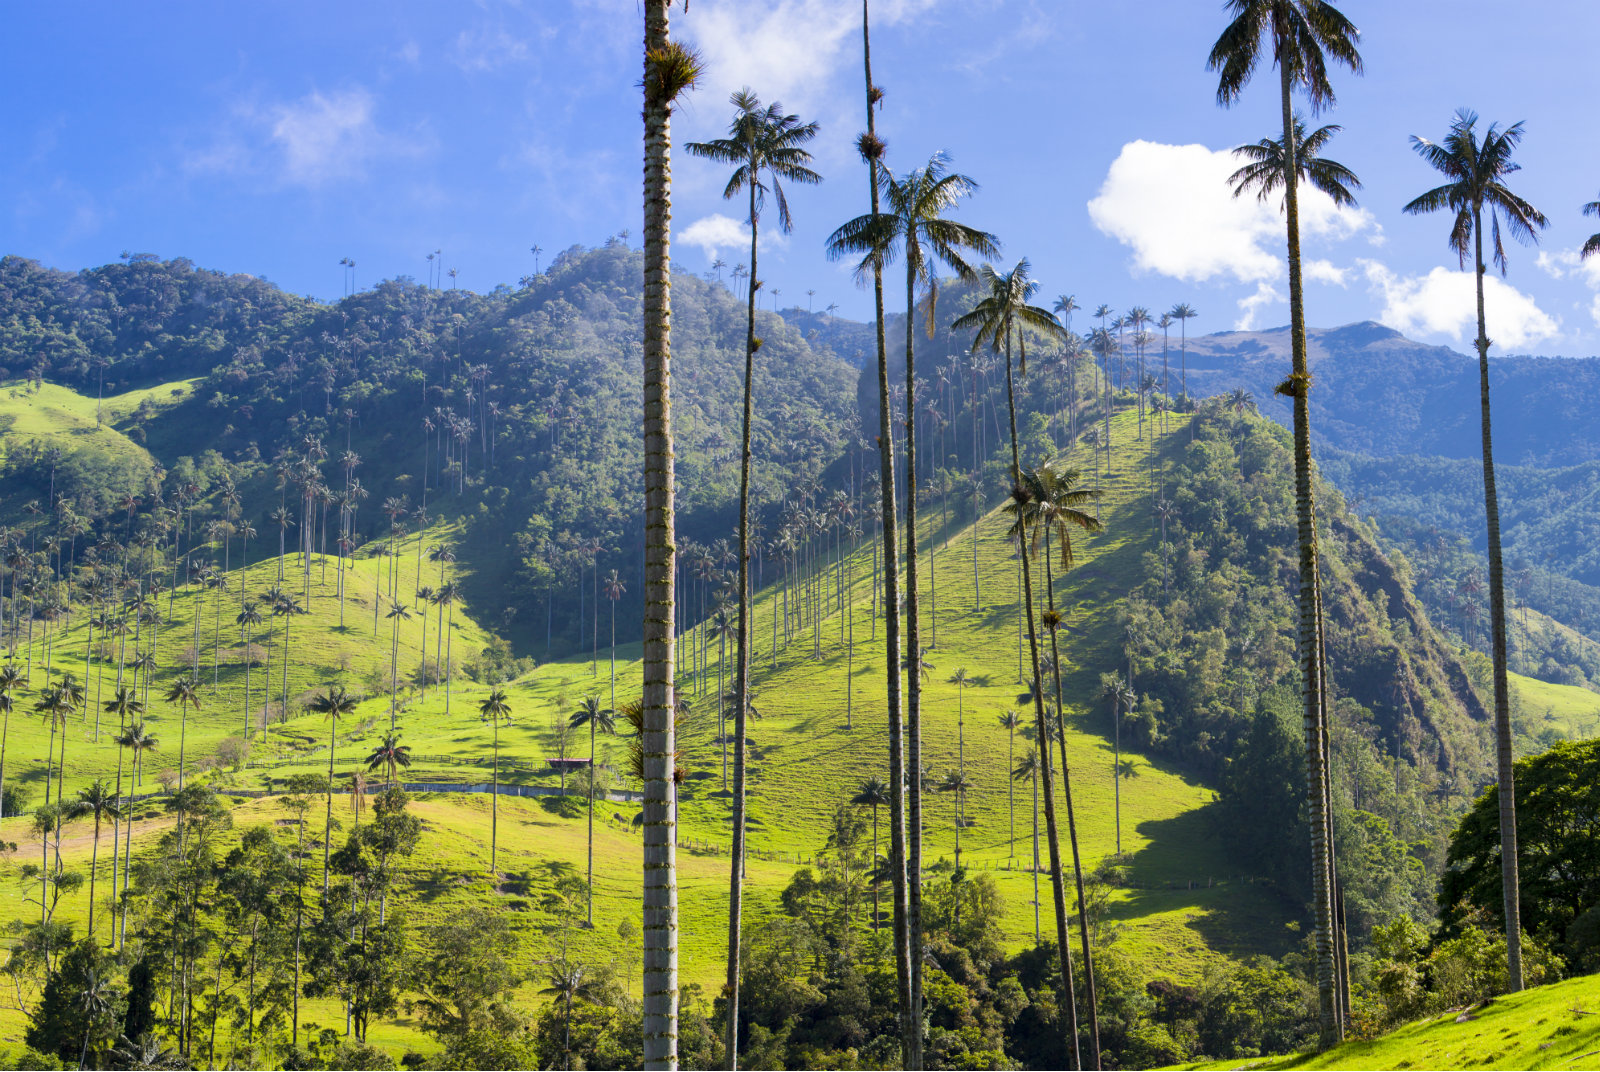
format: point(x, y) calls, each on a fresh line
point(741, 673)
point(914, 675)
point(1068, 1001)
point(660, 743)
point(1311, 669)
point(1509, 877)
point(910, 1031)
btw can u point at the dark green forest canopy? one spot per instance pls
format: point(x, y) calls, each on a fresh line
point(522, 403)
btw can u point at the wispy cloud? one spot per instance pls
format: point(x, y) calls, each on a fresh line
point(1250, 307)
point(312, 141)
point(486, 49)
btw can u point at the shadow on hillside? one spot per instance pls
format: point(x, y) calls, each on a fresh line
point(1190, 861)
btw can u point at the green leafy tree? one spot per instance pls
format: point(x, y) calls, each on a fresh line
point(1477, 169)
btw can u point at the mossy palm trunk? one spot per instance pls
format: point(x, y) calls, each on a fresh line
point(1042, 729)
point(1509, 877)
point(914, 656)
point(910, 1030)
point(1298, 387)
point(741, 673)
point(659, 745)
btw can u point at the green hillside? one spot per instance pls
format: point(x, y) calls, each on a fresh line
point(1552, 1026)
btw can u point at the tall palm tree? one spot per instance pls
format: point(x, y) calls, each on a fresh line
point(669, 70)
point(1120, 692)
point(137, 740)
point(599, 720)
point(495, 708)
point(1028, 770)
point(1183, 312)
point(390, 755)
point(915, 226)
point(1303, 35)
point(962, 682)
point(1477, 169)
point(398, 613)
point(248, 618)
point(446, 597)
point(568, 982)
point(1003, 313)
point(873, 794)
point(765, 147)
point(11, 680)
point(100, 803)
point(1053, 506)
point(185, 694)
point(958, 784)
point(333, 704)
point(1011, 722)
point(615, 590)
point(286, 606)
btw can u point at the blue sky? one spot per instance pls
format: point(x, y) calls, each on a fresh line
point(278, 139)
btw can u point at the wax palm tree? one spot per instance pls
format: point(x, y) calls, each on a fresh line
point(11, 681)
point(99, 803)
point(185, 694)
point(766, 148)
point(333, 704)
point(1052, 507)
point(915, 226)
point(872, 793)
point(248, 618)
point(1477, 169)
point(599, 720)
point(398, 613)
point(495, 709)
point(1268, 163)
point(615, 590)
point(1011, 722)
point(446, 598)
point(1028, 770)
point(962, 682)
point(1183, 312)
point(1122, 697)
point(286, 606)
point(139, 741)
point(568, 983)
point(390, 755)
point(1002, 313)
point(958, 785)
point(1304, 35)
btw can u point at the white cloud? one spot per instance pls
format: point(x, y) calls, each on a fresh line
point(1251, 306)
point(325, 137)
point(787, 50)
point(1445, 302)
point(1569, 262)
point(1173, 206)
point(1324, 271)
point(718, 232)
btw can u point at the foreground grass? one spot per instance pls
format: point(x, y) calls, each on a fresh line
point(1555, 1026)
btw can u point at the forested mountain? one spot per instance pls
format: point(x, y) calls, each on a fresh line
point(1379, 393)
point(513, 410)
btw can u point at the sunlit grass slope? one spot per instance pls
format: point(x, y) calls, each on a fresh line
point(821, 731)
point(1571, 711)
point(1555, 1026)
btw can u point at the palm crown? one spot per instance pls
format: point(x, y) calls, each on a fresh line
point(1006, 309)
point(1268, 164)
point(1477, 170)
point(765, 147)
point(1304, 34)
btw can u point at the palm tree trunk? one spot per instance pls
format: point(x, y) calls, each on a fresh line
point(327, 823)
point(914, 678)
point(1311, 668)
point(1036, 859)
point(741, 672)
point(1089, 998)
point(94, 863)
point(590, 906)
point(910, 1030)
point(660, 813)
point(1068, 1001)
point(1509, 877)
